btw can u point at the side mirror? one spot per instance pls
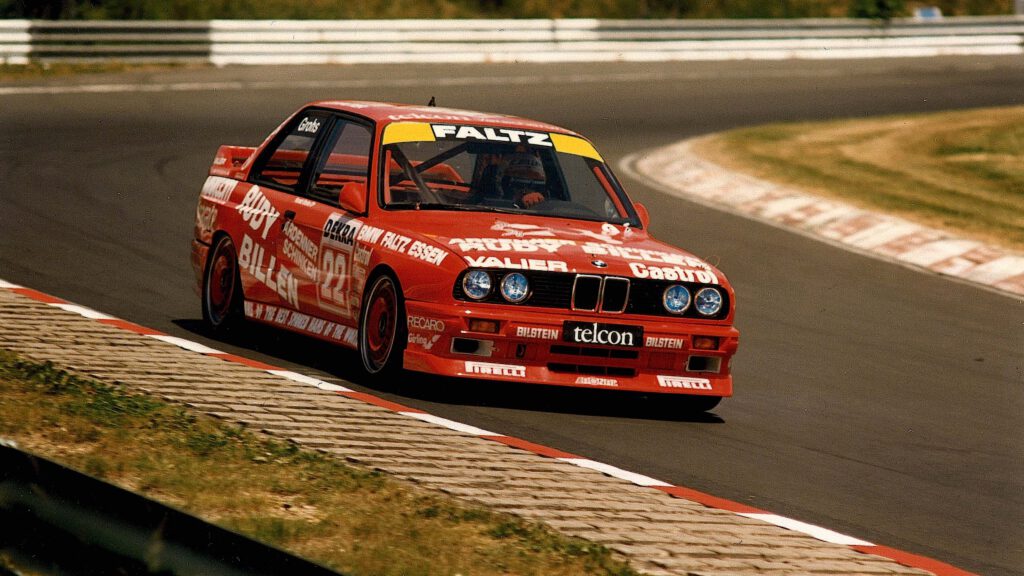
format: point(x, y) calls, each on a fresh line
point(643, 214)
point(353, 197)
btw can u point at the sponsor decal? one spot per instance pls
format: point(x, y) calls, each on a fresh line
point(658, 342)
point(517, 263)
point(672, 273)
point(603, 334)
point(362, 255)
point(488, 369)
point(683, 382)
point(549, 245)
point(445, 131)
point(274, 275)
point(369, 234)
point(537, 333)
point(305, 202)
point(302, 251)
point(521, 230)
point(206, 216)
point(421, 323)
point(607, 234)
point(220, 161)
point(309, 125)
point(258, 211)
point(427, 253)
point(426, 342)
point(219, 189)
point(435, 116)
point(596, 381)
point(395, 241)
point(302, 322)
point(340, 231)
point(643, 254)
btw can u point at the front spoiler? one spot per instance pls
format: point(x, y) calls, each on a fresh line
point(547, 359)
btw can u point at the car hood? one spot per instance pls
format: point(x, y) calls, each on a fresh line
point(561, 245)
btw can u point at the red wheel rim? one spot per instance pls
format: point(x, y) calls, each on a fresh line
point(380, 324)
point(221, 287)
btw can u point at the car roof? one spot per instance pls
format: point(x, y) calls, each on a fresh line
point(386, 113)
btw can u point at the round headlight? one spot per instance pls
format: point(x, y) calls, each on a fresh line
point(676, 299)
point(476, 284)
point(515, 287)
point(708, 301)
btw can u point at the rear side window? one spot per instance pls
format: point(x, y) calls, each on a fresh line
point(346, 159)
point(283, 166)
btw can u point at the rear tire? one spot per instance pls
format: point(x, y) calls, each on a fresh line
point(222, 288)
point(382, 332)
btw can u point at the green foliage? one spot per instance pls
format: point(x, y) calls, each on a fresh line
point(884, 10)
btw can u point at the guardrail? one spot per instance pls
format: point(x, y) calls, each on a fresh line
point(223, 42)
point(56, 520)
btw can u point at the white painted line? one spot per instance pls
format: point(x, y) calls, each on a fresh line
point(82, 310)
point(7, 285)
point(638, 479)
point(327, 386)
point(823, 534)
point(186, 344)
point(935, 252)
point(998, 270)
point(449, 424)
point(882, 233)
point(309, 380)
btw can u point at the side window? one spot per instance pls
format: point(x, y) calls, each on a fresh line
point(283, 166)
point(347, 159)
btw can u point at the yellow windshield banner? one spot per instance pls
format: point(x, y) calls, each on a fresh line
point(574, 145)
point(408, 132)
point(400, 132)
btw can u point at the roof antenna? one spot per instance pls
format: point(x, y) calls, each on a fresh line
point(432, 102)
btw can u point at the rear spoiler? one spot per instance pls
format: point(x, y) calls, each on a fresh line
point(229, 160)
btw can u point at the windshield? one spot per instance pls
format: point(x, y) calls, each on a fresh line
point(501, 177)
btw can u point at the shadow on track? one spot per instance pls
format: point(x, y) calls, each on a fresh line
point(346, 365)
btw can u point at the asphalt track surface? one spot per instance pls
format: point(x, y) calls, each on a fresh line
point(871, 399)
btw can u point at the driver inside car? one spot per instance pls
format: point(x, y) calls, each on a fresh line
point(524, 180)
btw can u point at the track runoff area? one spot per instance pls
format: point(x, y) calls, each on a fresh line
point(820, 533)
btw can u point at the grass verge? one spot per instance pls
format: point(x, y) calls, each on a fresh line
point(355, 521)
point(961, 171)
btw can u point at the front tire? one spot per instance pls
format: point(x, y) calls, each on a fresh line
point(222, 288)
point(382, 326)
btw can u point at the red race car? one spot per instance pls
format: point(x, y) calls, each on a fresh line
point(462, 244)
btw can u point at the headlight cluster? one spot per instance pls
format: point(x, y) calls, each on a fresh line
point(478, 284)
point(676, 300)
point(708, 301)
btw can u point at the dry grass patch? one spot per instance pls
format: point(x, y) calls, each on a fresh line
point(961, 171)
point(356, 521)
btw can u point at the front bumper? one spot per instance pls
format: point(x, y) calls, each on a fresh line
point(529, 347)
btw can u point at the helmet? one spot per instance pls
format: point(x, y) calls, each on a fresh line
point(524, 172)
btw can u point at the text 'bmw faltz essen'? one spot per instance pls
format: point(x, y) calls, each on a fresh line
point(458, 243)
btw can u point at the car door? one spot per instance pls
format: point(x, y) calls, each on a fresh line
point(268, 204)
point(323, 233)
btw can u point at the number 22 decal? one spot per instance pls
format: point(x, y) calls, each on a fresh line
point(333, 293)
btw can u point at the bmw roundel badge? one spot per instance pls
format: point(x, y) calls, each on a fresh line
point(599, 263)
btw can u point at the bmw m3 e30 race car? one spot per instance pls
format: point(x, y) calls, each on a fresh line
point(462, 244)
